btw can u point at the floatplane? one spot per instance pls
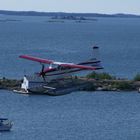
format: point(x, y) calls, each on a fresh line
point(52, 80)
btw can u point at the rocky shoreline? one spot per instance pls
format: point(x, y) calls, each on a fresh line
point(113, 85)
point(10, 84)
point(91, 84)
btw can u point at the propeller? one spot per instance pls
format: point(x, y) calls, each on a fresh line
point(42, 73)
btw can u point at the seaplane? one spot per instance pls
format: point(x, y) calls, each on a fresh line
point(56, 73)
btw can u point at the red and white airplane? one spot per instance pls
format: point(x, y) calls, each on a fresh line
point(56, 70)
point(62, 69)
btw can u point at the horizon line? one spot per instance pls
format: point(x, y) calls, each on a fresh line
point(39, 11)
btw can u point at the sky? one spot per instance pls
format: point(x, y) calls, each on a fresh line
point(74, 6)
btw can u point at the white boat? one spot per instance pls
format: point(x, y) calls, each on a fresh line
point(5, 124)
point(36, 85)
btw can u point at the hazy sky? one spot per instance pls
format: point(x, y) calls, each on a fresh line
point(90, 6)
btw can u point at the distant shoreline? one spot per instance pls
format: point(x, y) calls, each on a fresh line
point(35, 13)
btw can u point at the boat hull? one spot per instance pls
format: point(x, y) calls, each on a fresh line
point(61, 90)
point(5, 125)
point(5, 128)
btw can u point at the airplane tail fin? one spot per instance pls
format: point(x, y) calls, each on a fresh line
point(95, 60)
point(96, 54)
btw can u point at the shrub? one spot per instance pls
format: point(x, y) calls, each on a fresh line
point(123, 85)
point(137, 77)
point(100, 76)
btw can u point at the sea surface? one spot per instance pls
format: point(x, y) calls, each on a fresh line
point(79, 115)
point(69, 41)
point(76, 116)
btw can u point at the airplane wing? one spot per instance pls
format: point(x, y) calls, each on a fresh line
point(67, 65)
point(36, 59)
point(78, 66)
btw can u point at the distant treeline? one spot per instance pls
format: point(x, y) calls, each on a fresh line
point(34, 13)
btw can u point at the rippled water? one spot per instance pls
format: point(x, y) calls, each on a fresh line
point(118, 39)
point(80, 115)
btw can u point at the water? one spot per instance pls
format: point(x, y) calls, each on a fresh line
point(81, 115)
point(118, 39)
point(98, 115)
